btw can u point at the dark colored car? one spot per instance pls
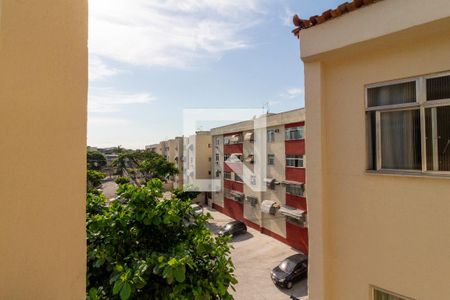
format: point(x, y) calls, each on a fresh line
point(291, 269)
point(234, 228)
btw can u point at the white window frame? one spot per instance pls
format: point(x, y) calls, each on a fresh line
point(300, 128)
point(299, 186)
point(269, 157)
point(300, 158)
point(271, 133)
point(420, 104)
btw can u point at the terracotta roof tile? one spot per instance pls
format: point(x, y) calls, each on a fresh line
point(345, 7)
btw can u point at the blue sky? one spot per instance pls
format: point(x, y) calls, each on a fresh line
point(150, 59)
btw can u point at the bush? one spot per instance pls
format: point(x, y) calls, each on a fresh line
point(94, 178)
point(143, 247)
point(122, 180)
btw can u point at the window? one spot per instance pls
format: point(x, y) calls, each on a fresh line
point(227, 175)
point(379, 294)
point(217, 141)
point(209, 158)
point(271, 135)
point(226, 157)
point(237, 177)
point(209, 172)
point(209, 145)
point(295, 189)
point(233, 139)
point(408, 125)
point(217, 157)
point(253, 180)
point(295, 161)
point(270, 159)
point(438, 138)
point(294, 133)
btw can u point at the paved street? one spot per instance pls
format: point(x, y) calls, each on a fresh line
point(109, 189)
point(254, 256)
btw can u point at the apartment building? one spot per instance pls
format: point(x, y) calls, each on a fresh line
point(279, 208)
point(191, 155)
point(377, 87)
point(197, 162)
point(172, 150)
point(43, 99)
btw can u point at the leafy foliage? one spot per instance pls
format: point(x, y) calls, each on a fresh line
point(155, 165)
point(144, 247)
point(185, 193)
point(94, 178)
point(147, 164)
point(122, 180)
point(95, 160)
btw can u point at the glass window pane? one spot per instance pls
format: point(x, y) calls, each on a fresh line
point(400, 140)
point(438, 88)
point(438, 138)
point(381, 295)
point(371, 139)
point(392, 94)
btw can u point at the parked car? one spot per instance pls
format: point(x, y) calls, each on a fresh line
point(197, 209)
point(234, 228)
point(290, 270)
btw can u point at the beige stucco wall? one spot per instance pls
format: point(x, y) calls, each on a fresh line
point(43, 88)
point(388, 231)
point(203, 158)
point(252, 213)
point(277, 223)
point(217, 148)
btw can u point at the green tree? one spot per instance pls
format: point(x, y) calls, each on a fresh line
point(95, 160)
point(123, 162)
point(122, 180)
point(154, 165)
point(145, 247)
point(94, 178)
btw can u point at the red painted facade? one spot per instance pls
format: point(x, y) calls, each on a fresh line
point(296, 201)
point(295, 174)
point(297, 237)
point(294, 147)
point(237, 167)
point(218, 208)
point(252, 225)
point(294, 124)
point(233, 209)
point(233, 148)
point(233, 185)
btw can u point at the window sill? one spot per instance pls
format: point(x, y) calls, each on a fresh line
point(295, 167)
point(400, 173)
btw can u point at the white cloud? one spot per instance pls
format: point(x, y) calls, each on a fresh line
point(170, 33)
point(105, 100)
point(99, 70)
point(293, 93)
